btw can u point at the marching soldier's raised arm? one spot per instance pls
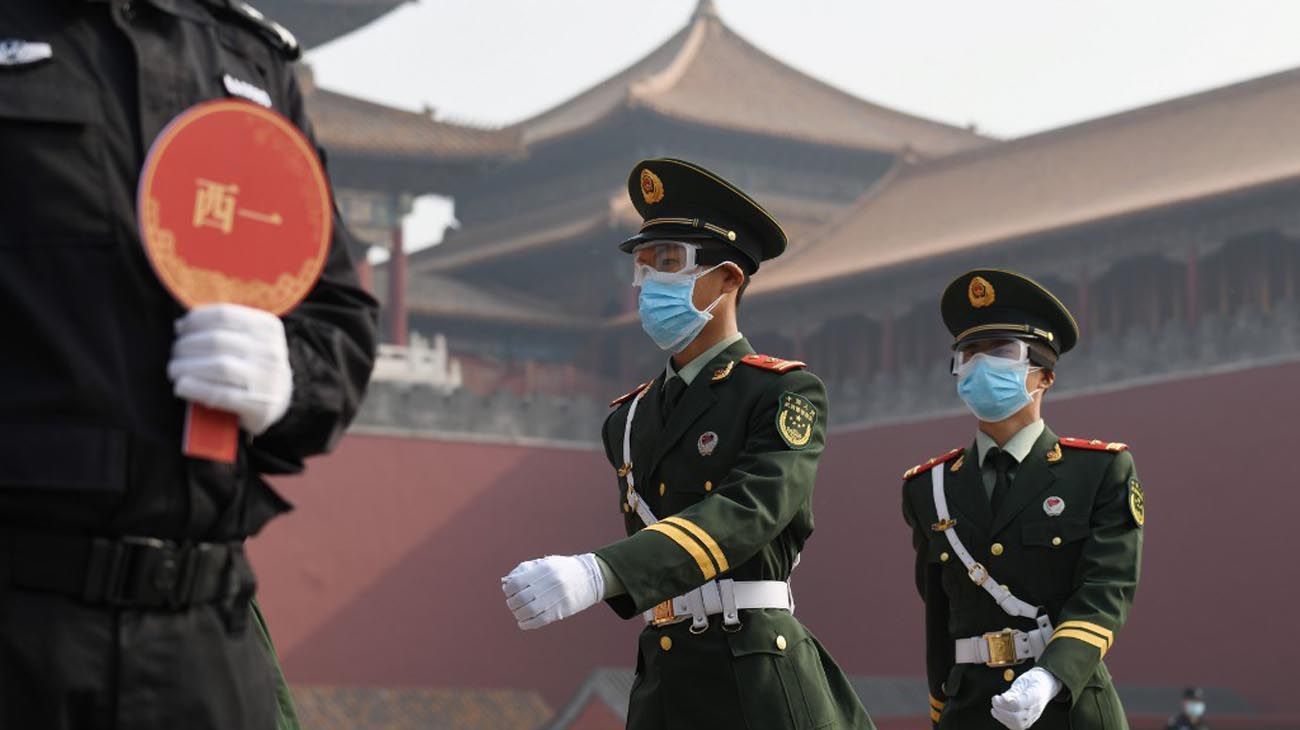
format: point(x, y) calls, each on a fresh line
point(1105, 580)
point(764, 491)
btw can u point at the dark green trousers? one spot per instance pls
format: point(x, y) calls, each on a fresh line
point(772, 674)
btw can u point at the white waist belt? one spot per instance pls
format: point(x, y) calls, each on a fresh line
point(726, 597)
point(1005, 648)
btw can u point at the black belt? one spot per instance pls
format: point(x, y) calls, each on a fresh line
point(128, 572)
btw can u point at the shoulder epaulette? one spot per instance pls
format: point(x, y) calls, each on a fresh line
point(274, 33)
point(630, 394)
point(775, 364)
point(927, 466)
point(1095, 445)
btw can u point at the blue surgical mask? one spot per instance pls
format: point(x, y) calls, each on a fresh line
point(668, 312)
point(1194, 709)
point(994, 389)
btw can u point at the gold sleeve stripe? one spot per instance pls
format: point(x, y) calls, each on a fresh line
point(936, 704)
point(674, 533)
point(1083, 636)
point(935, 715)
point(705, 539)
point(1101, 631)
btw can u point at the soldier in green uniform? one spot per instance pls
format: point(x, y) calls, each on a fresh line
point(715, 460)
point(1028, 545)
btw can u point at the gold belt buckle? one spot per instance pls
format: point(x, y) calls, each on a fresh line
point(1002, 648)
point(665, 616)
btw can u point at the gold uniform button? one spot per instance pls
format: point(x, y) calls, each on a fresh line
point(943, 557)
point(997, 549)
point(1009, 675)
point(780, 643)
point(666, 643)
point(708, 486)
point(1056, 542)
point(662, 488)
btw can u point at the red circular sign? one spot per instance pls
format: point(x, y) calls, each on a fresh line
point(234, 207)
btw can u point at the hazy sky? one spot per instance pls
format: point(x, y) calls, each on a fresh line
point(1010, 66)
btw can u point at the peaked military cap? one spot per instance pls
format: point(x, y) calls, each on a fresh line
point(682, 201)
point(987, 304)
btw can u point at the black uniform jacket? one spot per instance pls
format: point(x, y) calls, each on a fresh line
point(90, 433)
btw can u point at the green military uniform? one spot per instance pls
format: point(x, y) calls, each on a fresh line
point(1066, 540)
point(727, 462)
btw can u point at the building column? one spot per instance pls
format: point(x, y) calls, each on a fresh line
point(365, 273)
point(1193, 288)
point(397, 286)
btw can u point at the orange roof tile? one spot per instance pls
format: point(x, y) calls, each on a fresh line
point(708, 74)
point(348, 124)
point(1194, 147)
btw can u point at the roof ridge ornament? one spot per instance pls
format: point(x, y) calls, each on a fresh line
point(706, 9)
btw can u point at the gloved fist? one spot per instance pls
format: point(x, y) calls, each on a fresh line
point(1020, 706)
point(540, 592)
point(234, 359)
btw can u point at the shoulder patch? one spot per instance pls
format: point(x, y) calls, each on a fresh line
point(775, 364)
point(274, 33)
point(1095, 445)
point(796, 419)
point(1137, 502)
point(927, 466)
point(631, 394)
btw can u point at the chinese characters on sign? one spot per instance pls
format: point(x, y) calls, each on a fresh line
point(215, 207)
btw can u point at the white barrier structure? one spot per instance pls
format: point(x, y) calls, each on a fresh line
point(419, 363)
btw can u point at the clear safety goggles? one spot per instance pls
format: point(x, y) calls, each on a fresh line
point(1002, 352)
point(665, 257)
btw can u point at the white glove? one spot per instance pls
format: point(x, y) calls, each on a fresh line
point(234, 359)
point(1020, 707)
point(543, 591)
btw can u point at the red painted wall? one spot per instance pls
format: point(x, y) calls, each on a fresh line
point(387, 574)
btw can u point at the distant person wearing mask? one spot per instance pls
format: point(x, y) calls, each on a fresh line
point(1021, 529)
point(715, 460)
point(1193, 715)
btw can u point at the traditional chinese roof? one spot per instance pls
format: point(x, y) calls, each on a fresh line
point(315, 22)
point(434, 295)
point(367, 708)
point(350, 125)
point(709, 75)
point(1195, 147)
point(611, 215)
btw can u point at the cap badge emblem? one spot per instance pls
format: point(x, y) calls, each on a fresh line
point(981, 293)
point(652, 188)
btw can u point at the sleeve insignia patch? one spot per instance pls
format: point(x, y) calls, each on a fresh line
point(795, 420)
point(1137, 503)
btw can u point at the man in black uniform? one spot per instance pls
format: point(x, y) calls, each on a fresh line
point(124, 590)
point(1192, 716)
